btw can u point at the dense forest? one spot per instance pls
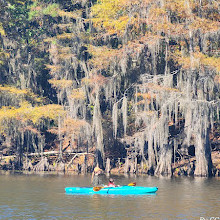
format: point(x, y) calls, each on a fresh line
point(130, 84)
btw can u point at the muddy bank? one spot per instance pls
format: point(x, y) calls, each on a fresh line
point(85, 163)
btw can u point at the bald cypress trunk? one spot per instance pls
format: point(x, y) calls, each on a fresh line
point(203, 155)
point(151, 155)
point(164, 166)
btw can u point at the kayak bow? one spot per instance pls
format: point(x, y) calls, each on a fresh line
point(120, 190)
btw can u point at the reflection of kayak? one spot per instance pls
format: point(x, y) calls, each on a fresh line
point(120, 190)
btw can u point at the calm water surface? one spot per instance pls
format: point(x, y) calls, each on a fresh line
point(43, 197)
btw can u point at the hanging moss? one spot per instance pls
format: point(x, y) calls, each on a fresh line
point(147, 72)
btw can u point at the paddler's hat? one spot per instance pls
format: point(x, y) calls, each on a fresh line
point(111, 180)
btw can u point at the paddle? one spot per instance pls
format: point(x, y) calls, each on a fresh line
point(97, 188)
point(132, 184)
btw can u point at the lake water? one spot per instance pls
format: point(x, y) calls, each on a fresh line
point(42, 196)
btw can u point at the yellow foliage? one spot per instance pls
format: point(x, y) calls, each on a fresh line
point(78, 94)
point(20, 92)
point(157, 12)
point(13, 90)
point(50, 112)
point(53, 68)
point(150, 38)
point(159, 18)
point(64, 26)
point(179, 7)
point(65, 36)
point(218, 167)
point(94, 80)
point(49, 39)
point(61, 53)
point(65, 56)
point(65, 50)
point(204, 25)
point(86, 81)
point(213, 62)
point(28, 113)
point(112, 15)
point(69, 127)
point(66, 14)
point(64, 53)
point(61, 84)
point(102, 56)
point(2, 31)
point(197, 60)
point(73, 126)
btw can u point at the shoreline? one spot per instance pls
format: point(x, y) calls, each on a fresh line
point(84, 163)
point(69, 173)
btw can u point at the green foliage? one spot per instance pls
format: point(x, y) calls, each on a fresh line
point(51, 10)
point(38, 9)
point(33, 14)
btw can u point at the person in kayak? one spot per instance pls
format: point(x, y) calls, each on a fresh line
point(111, 183)
point(96, 180)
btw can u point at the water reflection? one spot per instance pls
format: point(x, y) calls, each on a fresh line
point(110, 195)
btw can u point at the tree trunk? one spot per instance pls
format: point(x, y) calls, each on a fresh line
point(203, 155)
point(164, 166)
point(84, 165)
point(126, 168)
point(151, 156)
point(42, 165)
point(97, 126)
point(108, 166)
point(98, 159)
point(133, 165)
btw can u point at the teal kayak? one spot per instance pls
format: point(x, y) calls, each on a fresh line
point(120, 190)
